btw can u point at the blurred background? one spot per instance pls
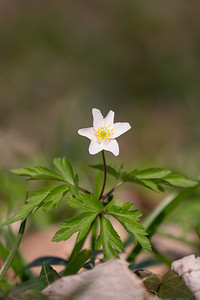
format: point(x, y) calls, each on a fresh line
point(59, 59)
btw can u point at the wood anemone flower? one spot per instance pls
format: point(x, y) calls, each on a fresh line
point(104, 132)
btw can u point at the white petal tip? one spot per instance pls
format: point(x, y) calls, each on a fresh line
point(116, 154)
point(80, 131)
point(92, 153)
point(95, 109)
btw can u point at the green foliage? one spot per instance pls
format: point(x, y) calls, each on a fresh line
point(54, 197)
point(109, 239)
point(50, 260)
point(62, 164)
point(17, 263)
point(179, 181)
point(172, 287)
point(129, 220)
point(98, 209)
point(151, 280)
point(39, 173)
point(86, 202)
point(77, 262)
point(80, 223)
point(83, 221)
point(47, 275)
point(65, 168)
point(77, 248)
point(155, 178)
point(153, 221)
point(46, 197)
point(151, 173)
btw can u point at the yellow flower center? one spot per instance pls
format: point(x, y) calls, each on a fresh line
point(103, 133)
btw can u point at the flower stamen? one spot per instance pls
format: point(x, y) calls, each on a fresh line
point(103, 133)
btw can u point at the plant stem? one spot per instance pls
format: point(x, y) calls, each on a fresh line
point(104, 179)
point(83, 190)
point(77, 248)
point(13, 252)
point(94, 233)
point(111, 191)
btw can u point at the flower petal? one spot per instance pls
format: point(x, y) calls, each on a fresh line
point(88, 132)
point(112, 146)
point(97, 117)
point(109, 119)
point(95, 147)
point(120, 128)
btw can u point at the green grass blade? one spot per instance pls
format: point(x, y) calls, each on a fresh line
point(13, 251)
point(18, 263)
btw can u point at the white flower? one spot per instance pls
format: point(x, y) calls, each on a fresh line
point(104, 132)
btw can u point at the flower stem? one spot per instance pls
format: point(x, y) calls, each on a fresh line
point(104, 179)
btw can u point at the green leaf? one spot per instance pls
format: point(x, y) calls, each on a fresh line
point(151, 173)
point(55, 196)
point(74, 188)
point(64, 166)
point(110, 170)
point(172, 287)
point(48, 196)
point(47, 275)
point(86, 202)
point(150, 184)
point(128, 218)
point(33, 203)
point(80, 223)
point(118, 205)
point(151, 280)
point(3, 251)
point(145, 264)
point(179, 181)
point(77, 262)
point(38, 172)
point(109, 239)
point(155, 177)
point(51, 260)
point(24, 172)
point(130, 177)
